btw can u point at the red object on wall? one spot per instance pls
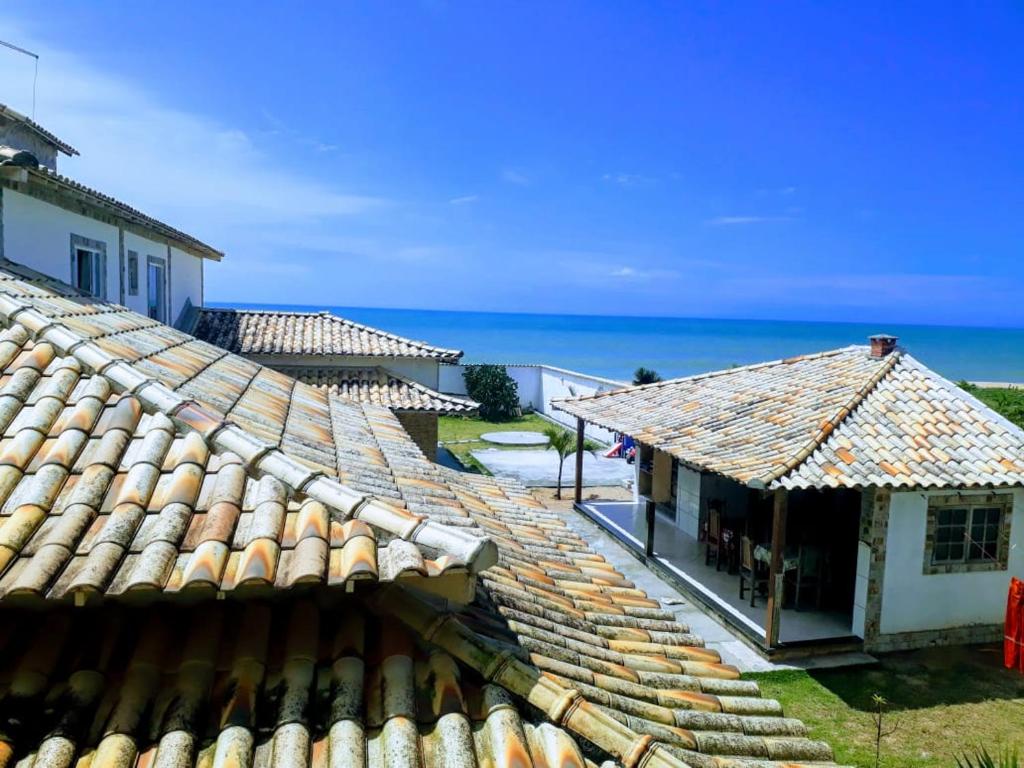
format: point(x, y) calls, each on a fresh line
point(1013, 641)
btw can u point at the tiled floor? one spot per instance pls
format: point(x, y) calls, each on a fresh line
point(684, 556)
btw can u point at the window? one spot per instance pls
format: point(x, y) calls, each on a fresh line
point(966, 533)
point(156, 289)
point(89, 265)
point(133, 273)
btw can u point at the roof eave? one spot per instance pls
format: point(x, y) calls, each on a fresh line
point(92, 197)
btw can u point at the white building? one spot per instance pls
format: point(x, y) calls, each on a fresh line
point(872, 502)
point(77, 234)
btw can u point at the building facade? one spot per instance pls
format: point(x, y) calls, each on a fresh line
point(90, 240)
point(894, 495)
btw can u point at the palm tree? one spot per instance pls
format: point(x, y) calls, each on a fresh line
point(646, 376)
point(563, 443)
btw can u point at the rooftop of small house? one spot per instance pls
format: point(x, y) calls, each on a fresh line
point(286, 332)
point(380, 386)
point(848, 418)
point(144, 473)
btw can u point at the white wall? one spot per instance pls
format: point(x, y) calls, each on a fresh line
point(688, 506)
point(38, 235)
point(186, 281)
point(144, 247)
point(538, 386)
point(913, 601)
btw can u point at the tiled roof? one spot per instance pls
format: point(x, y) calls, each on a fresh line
point(280, 332)
point(384, 674)
point(559, 659)
point(172, 390)
point(63, 146)
point(379, 386)
point(835, 419)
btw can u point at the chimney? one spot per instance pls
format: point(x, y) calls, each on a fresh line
point(882, 344)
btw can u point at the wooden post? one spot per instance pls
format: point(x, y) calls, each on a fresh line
point(651, 514)
point(776, 573)
point(580, 437)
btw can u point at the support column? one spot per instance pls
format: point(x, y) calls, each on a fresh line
point(651, 514)
point(776, 573)
point(580, 437)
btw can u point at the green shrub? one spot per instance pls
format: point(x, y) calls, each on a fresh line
point(494, 389)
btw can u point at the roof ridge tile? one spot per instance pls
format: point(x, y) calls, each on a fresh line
point(258, 456)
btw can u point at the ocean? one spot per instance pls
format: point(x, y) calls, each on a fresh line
point(614, 346)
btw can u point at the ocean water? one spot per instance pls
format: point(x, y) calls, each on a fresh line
point(615, 346)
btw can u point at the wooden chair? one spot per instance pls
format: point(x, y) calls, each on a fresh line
point(751, 570)
point(810, 574)
point(714, 537)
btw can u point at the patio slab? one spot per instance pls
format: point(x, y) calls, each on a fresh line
point(539, 468)
point(513, 437)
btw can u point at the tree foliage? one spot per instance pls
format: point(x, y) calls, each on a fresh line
point(563, 443)
point(494, 389)
point(646, 376)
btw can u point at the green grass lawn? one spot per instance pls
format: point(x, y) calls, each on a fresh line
point(942, 701)
point(455, 428)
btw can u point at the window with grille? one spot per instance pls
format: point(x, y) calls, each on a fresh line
point(968, 533)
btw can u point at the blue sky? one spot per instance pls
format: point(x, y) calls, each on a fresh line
point(783, 160)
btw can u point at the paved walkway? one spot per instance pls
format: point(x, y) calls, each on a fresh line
point(715, 634)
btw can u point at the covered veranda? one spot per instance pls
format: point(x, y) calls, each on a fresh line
point(799, 568)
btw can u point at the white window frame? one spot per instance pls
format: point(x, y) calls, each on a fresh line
point(160, 265)
point(97, 251)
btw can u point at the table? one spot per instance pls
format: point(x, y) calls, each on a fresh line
point(790, 559)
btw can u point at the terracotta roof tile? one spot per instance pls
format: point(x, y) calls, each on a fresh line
point(559, 658)
point(379, 386)
point(835, 419)
point(280, 332)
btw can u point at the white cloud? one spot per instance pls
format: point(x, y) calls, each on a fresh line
point(634, 274)
point(739, 221)
point(210, 179)
point(464, 200)
point(627, 179)
point(512, 176)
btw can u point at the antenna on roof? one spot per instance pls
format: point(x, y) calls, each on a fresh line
point(35, 74)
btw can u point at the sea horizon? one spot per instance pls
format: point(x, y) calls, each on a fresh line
point(613, 346)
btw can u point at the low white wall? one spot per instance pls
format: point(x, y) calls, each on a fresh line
point(913, 601)
point(538, 386)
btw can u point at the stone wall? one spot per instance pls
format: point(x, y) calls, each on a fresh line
point(422, 428)
point(874, 527)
